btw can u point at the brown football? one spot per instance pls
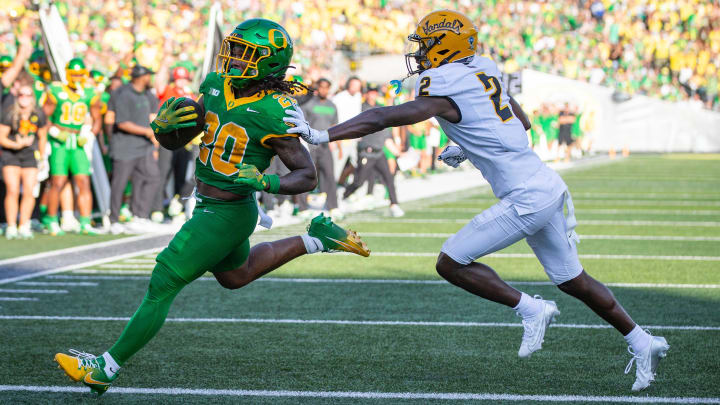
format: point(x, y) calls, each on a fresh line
point(181, 137)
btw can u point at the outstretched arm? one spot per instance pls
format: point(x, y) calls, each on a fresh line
point(376, 119)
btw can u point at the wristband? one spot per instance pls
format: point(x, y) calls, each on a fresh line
point(324, 137)
point(273, 182)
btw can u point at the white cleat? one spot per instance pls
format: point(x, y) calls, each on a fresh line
point(646, 362)
point(535, 326)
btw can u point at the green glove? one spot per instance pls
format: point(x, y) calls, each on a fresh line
point(58, 134)
point(169, 119)
point(81, 141)
point(250, 176)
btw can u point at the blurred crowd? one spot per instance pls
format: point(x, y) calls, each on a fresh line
point(663, 48)
point(54, 135)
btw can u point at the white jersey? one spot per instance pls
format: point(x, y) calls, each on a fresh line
point(493, 139)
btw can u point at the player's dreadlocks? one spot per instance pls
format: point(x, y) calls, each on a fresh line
point(271, 83)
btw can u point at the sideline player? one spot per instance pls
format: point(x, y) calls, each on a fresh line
point(67, 106)
point(245, 102)
point(463, 91)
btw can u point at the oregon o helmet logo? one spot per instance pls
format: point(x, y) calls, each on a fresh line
point(273, 38)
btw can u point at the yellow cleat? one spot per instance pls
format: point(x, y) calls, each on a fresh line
point(85, 368)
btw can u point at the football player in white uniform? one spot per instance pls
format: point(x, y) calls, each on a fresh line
point(464, 92)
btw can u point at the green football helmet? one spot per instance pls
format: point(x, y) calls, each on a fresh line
point(5, 63)
point(256, 49)
point(75, 73)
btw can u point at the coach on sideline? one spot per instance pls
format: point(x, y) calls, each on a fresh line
point(134, 150)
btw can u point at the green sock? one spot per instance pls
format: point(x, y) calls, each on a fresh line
point(84, 220)
point(165, 284)
point(43, 210)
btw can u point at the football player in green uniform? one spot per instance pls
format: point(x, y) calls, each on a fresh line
point(244, 103)
point(67, 106)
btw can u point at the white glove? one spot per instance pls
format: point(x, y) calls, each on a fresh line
point(452, 156)
point(301, 127)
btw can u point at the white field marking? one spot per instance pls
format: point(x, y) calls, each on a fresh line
point(57, 283)
point(348, 322)
point(447, 396)
point(598, 237)
point(26, 291)
point(136, 268)
point(531, 255)
point(142, 261)
point(361, 219)
point(127, 266)
point(77, 249)
point(660, 196)
point(619, 202)
point(18, 299)
point(385, 281)
point(599, 211)
point(100, 271)
point(77, 266)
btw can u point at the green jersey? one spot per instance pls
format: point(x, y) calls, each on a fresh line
point(236, 131)
point(72, 106)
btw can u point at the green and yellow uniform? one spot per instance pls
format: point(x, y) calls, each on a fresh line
point(71, 109)
point(237, 131)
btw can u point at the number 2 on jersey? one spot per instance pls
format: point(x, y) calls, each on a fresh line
point(226, 145)
point(491, 82)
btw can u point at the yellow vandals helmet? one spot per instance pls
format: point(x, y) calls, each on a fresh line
point(442, 36)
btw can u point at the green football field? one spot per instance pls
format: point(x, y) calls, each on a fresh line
point(387, 330)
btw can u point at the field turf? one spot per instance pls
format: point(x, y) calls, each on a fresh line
point(387, 330)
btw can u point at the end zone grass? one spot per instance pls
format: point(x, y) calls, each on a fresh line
point(303, 332)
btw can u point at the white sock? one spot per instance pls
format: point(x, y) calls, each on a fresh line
point(68, 214)
point(312, 244)
point(111, 366)
point(638, 339)
point(528, 306)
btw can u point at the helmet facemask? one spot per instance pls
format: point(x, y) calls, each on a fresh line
point(424, 44)
point(238, 59)
point(76, 78)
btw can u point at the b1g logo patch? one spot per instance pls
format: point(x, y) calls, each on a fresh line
point(214, 92)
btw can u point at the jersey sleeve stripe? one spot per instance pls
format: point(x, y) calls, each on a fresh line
point(269, 136)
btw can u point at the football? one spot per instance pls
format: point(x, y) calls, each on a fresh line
point(179, 138)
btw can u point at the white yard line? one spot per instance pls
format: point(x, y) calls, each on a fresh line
point(26, 291)
point(599, 211)
point(660, 196)
point(447, 396)
point(594, 237)
point(78, 248)
point(349, 322)
point(495, 255)
point(18, 299)
point(375, 281)
point(467, 203)
point(57, 283)
point(79, 265)
point(584, 256)
point(361, 219)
